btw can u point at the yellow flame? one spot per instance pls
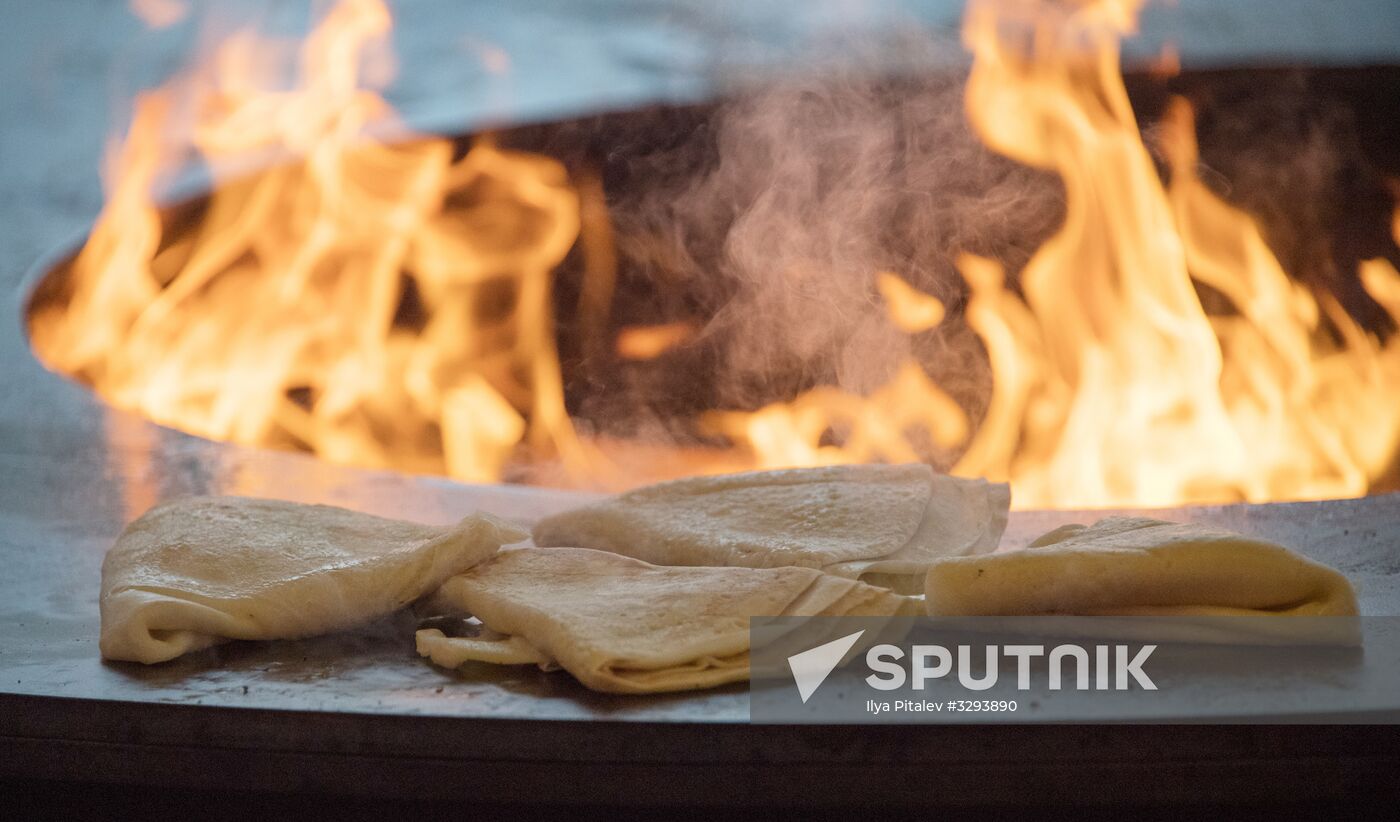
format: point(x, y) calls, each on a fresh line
point(910, 310)
point(1112, 386)
point(390, 304)
point(278, 319)
point(647, 342)
point(826, 426)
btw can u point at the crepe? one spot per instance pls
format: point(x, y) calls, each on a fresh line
point(882, 524)
point(198, 571)
point(1132, 566)
point(625, 626)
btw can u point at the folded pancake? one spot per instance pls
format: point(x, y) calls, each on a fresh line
point(882, 524)
point(1131, 566)
point(201, 570)
point(625, 626)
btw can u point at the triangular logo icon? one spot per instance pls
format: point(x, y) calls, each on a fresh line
point(811, 667)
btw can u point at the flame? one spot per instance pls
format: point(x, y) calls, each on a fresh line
point(1112, 386)
point(647, 342)
point(910, 310)
point(389, 303)
point(281, 319)
point(876, 428)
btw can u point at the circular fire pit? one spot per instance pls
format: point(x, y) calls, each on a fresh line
point(663, 335)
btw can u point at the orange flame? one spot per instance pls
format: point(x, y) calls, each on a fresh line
point(390, 305)
point(647, 342)
point(1112, 385)
point(910, 310)
point(280, 319)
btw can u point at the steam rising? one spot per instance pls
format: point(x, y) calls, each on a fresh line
point(809, 189)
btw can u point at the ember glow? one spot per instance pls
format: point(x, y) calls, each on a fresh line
point(281, 318)
point(647, 342)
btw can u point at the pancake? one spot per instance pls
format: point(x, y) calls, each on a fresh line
point(621, 625)
point(883, 524)
point(1138, 567)
point(195, 572)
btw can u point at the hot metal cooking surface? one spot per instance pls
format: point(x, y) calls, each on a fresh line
point(61, 511)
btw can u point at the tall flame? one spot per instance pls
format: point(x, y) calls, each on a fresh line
point(281, 320)
point(390, 304)
point(1112, 386)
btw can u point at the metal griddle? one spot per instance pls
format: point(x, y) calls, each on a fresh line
point(361, 713)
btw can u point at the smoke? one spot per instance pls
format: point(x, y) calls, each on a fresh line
point(777, 213)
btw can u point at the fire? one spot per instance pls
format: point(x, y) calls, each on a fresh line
point(1112, 386)
point(388, 304)
point(876, 428)
point(281, 320)
point(647, 342)
point(910, 310)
